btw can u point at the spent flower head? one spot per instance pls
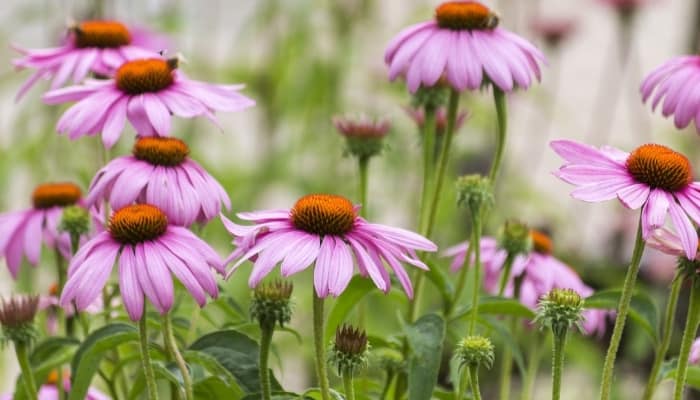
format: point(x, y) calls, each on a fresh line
point(475, 192)
point(515, 238)
point(17, 318)
point(272, 304)
point(349, 351)
point(475, 351)
point(560, 309)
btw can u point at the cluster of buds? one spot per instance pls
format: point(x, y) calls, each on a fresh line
point(349, 351)
point(364, 136)
point(271, 304)
point(476, 193)
point(475, 351)
point(560, 309)
point(515, 238)
point(17, 319)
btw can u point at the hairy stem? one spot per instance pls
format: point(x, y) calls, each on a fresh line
point(691, 326)
point(474, 378)
point(171, 345)
point(21, 350)
point(321, 370)
point(558, 363)
point(476, 240)
point(347, 384)
point(146, 359)
point(265, 342)
point(502, 115)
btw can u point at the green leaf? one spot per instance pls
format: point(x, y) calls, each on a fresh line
point(161, 371)
point(441, 280)
point(47, 356)
point(214, 388)
point(358, 288)
point(497, 306)
point(87, 359)
point(504, 333)
point(643, 311)
point(692, 379)
point(211, 365)
point(237, 353)
point(425, 339)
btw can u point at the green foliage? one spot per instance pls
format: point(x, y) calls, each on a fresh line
point(358, 288)
point(643, 311)
point(46, 356)
point(425, 339)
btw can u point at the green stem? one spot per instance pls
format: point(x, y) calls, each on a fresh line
point(502, 114)
point(476, 239)
point(506, 372)
point(387, 385)
point(666, 339)
point(558, 364)
point(265, 342)
point(23, 360)
point(533, 365)
point(474, 378)
point(171, 345)
point(428, 164)
point(363, 166)
point(505, 274)
point(463, 384)
point(321, 370)
point(622, 310)
point(146, 359)
point(60, 388)
point(461, 278)
point(443, 160)
point(691, 327)
point(347, 384)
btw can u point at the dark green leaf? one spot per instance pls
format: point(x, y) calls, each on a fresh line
point(425, 338)
point(210, 363)
point(643, 311)
point(497, 306)
point(214, 388)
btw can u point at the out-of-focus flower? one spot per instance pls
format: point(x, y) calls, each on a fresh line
point(49, 390)
point(539, 270)
point(695, 352)
point(553, 31)
point(653, 177)
point(465, 45)
point(98, 47)
point(149, 251)
point(50, 304)
point(418, 116)
point(677, 84)
point(160, 173)
point(324, 229)
point(364, 135)
point(23, 232)
point(147, 92)
point(625, 8)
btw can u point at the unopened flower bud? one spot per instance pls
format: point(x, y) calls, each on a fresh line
point(348, 352)
point(271, 304)
point(475, 351)
point(17, 319)
point(475, 192)
point(430, 97)
point(75, 220)
point(560, 309)
point(515, 238)
point(364, 136)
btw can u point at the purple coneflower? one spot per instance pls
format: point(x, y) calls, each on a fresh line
point(676, 82)
point(146, 92)
point(99, 47)
point(149, 251)
point(625, 8)
point(541, 272)
point(325, 229)
point(160, 173)
point(653, 177)
point(553, 31)
point(465, 45)
point(23, 232)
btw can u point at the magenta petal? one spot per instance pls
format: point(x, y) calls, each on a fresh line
point(323, 270)
point(634, 196)
point(654, 212)
point(344, 267)
point(686, 230)
point(305, 254)
point(129, 286)
point(157, 113)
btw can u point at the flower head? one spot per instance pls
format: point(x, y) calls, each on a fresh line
point(653, 177)
point(160, 172)
point(675, 83)
point(363, 134)
point(625, 8)
point(324, 229)
point(475, 351)
point(17, 318)
point(23, 232)
point(149, 251)
point(465, 45)
point(147, 92)
point(537, 271)
point(98, 47)
point(349, 350)
point(560, 309)
point(475, 192)
point(668, 242)
point(517, 238)
point(553, 31)
point(271, 304)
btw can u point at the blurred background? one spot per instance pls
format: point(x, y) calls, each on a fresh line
point(305, 61)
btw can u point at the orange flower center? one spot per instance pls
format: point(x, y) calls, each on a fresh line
point(541, 243)
point(137, 223)
point(53, 289)
point(323, 214)
point(660, 167)
point(168, 152)
point(52, 379)
point(465, 15)
point(145, 76)
point(101, 34)
point(55, 195)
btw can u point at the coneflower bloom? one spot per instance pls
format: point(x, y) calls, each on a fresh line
point(553, 31)
point(418, 117)
point(146, 92)
point(675, 83)
point(149, 251)
point(465, 45)
point(325, 229)
point(540, 271)
point(160, 173)
point(653, 177)
point(98, 47)
point(23, 232)
point(625, 8)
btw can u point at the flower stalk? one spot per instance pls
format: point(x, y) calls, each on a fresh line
point(171, 345)
point(318, 327)
point(691, 327)
point(499, 98)
point(146, 359)
point(21, 351)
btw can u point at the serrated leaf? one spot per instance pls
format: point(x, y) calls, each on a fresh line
point(425, 339)
point(642, 310)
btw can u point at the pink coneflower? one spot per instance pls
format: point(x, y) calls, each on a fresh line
point(540, 270)
point(362, 127)
point(146, 92)
point(553, 31)
point(465, 45)
point(676, 83)
point(149, 251)
point(50, 304)
point(99, 47)
point(418, 116)
point(653, 177)
point(23, 232)
point(668, 242)
point(160, 173)
point(695, 352)
point(325, 229)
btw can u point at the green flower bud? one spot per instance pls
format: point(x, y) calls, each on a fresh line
point(560, 309)
point(475, 192)
point(348, 353)
point(475, 351)
point(515, 238)
point(17, 319)
point(75, 220)
point(271, 304)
